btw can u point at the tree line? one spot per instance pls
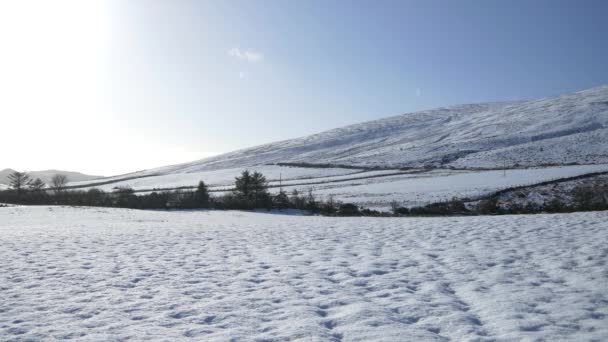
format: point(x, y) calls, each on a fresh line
point(24, 190)
point(251, 192)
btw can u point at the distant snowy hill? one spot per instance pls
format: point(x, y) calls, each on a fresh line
point(46, 175)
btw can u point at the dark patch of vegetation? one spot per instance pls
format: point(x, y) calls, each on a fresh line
point(488, 206)
point(452, 207)
point(348, 209)
point(585, 198)
point(554, 181)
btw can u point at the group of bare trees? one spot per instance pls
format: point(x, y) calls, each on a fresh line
point(21, 182)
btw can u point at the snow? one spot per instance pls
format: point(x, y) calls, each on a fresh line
point(566, 129)
point(541, 135)
point(222, 178)
point(543, 194)
point(415, 189)
point(571, 128)
point(441, 185)
point(114, 274)
point(589, 146)
point(374, 189)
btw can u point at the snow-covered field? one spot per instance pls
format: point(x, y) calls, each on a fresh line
point(373, 189)
point(442, 185)
point(113, 274)
point(219, 178)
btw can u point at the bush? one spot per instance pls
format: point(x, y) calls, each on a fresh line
point(348, 209)
point(452, 207)
point(281, 200)
point(329, 207)
point(202, 195)
point(251, 190)
point(488, 206)
point(556, 206)
point(401, 211)
point(373, 213)
point(593, 197)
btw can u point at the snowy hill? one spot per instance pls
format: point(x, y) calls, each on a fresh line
point(566, 129)
point(541, 138)
point(46, 175)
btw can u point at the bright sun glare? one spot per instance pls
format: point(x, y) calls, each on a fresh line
point(52, 76)
point(55, 107)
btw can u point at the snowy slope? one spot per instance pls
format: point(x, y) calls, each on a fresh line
point(530, 133)
point(111, 274)
point(551, 132)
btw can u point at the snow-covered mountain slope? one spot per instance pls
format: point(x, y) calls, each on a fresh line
point(46, 175)
point(100, 274)
point(571, 128)
point(557, 131)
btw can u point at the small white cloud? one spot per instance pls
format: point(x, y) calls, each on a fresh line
point(248, 55)
point(241, 75)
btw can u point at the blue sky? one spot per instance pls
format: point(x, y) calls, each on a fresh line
point(174, 81)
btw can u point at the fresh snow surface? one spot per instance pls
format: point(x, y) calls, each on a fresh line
point(113, 274)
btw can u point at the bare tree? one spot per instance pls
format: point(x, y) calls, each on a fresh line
point(18, 181)
point(59, 182)
point(37, 185)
